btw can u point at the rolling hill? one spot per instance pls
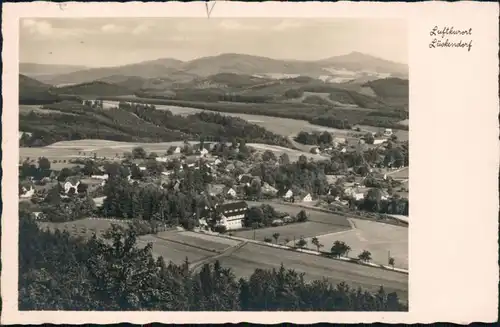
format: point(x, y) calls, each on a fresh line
point(230, 63)
point(32, 69)
point(148, 69)
point(96, 88)
point(356, 61)
point(394, 91)
point(32, 91)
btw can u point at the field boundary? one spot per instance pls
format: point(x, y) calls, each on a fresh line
point(390, 221)
point(312, 252)
point(187, 244)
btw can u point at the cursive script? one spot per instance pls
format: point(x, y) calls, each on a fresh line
point(455, 38)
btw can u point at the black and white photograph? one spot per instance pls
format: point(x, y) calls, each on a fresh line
point(222, 164)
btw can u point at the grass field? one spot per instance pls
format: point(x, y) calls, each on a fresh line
point(67, 150)
point(83, 227)
point(244, 261)
point(208, 242)
point(280, 126)
point(314, 215)
point(319, 223)
point(25, 109)
point(380, 239)
point(400, 174)
point(172, 251)
point(291, 231)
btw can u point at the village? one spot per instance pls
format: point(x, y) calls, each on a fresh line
point(231, 179)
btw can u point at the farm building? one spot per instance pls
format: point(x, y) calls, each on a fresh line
point(229, 191)
point(288, 194)
point(232, 214)
point(388, 132)
point(161, 159)
point(103, 176)
point(71, 184)
point(307, 198)
point(378, 141)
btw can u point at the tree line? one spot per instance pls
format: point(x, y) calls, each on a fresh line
point(60, 272)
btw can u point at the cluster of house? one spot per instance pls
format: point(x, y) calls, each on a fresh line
point(341, 144)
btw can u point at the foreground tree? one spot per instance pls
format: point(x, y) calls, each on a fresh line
point(60, 272)
point(365, 256)
point(276, 236)
point(316, 243)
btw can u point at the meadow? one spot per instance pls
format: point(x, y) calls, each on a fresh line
point(245, 260)
point(382, 240)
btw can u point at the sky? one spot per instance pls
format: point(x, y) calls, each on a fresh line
point(99, 42)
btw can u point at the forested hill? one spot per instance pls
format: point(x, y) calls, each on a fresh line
point(58, 272)
point(70, 120)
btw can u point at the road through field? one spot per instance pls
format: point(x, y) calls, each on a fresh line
point(245, 260)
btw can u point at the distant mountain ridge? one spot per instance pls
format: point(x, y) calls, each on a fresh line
point(225, 63)
point(33, 69)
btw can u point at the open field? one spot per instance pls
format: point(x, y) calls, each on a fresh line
point(314, 215)
point(293, 155)
point(25, 109)
point(291, 231)
point(66, 150)
point(278, 125)
point(172, 251)
point(379, 239)
point(400, 174)
point(208, 242)
point(83, 227)
point(401, 134)
point(244, 261)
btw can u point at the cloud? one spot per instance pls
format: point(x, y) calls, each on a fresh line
point(287, 24)
point(140, 29)
point(43, 28)
point(234, 25)
point(112, 28)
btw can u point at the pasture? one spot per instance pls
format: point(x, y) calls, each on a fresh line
point(401, 134)
point(291, 232)
point(313, 215)
point(173, 251)
point(402, 173)
point(67, 150)
point(245, 260)
point(205, 241)
point(381, 240)
point(278, 125)
point(83, 227)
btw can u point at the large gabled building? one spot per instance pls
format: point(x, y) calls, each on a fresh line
point(232, 214)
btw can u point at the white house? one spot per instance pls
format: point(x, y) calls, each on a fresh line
point(161, 159)
point(231, 192)
point(288, 194)
point(388, 131)
point(177, 149)
point(232, 214)
point(378, 141)
point(217, 162)
point(28, 193)
point(307, 198)
point(358, 196)
point(203, 152)
point(68, 186)
point(142, 168)
point(344, 150)
point(103, 177)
